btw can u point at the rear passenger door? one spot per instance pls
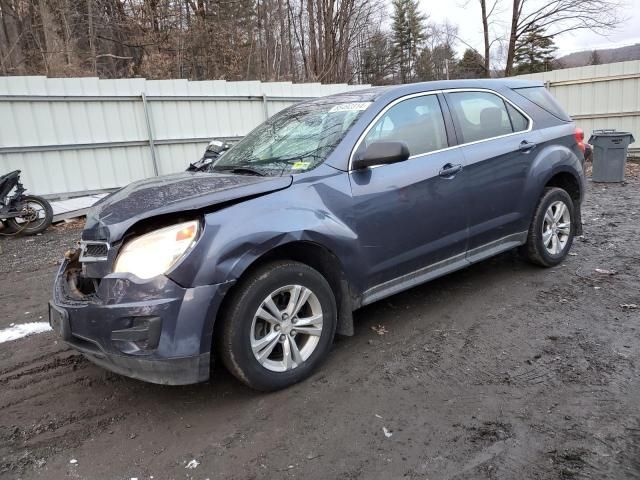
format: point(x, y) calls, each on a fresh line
point(498, 146)
point(410, 217)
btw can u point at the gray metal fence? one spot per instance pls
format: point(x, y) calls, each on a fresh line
point(80, 135)
point(83, 135)
point(599, 96)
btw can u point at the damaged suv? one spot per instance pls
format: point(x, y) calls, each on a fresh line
point(328, 206)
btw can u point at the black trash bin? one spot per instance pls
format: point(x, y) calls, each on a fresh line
point(609, 154)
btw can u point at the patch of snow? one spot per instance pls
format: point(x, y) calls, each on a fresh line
point(23, 330)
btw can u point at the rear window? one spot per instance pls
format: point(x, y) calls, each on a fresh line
point(541, 97)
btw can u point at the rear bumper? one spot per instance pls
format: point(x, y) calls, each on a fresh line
point(154, 330)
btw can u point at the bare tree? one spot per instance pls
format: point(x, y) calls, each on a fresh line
point(11, 39)
point(557, 17)
point(308, 40)
point(327, 33)
point(486, 18)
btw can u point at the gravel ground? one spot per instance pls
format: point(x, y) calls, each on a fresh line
point(500, 371)
point(27, 268)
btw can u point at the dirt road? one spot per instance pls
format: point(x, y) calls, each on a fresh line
point(500, 371)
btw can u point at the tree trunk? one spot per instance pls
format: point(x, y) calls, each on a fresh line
point(92, 37)
point(313, 46)
point(281, 63)
point(513, 37)
point(485, 29)
point(11, 57)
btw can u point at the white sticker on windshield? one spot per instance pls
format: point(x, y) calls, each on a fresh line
point(350, 107)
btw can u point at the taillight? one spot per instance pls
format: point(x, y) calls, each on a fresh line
point(579, 134)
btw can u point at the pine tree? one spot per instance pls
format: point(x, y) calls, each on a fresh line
point(445, 64)
point(534, 52)
point(595, 58)
point(471, 65)
point(377, 60)
point(408, 34)
point(424, 66)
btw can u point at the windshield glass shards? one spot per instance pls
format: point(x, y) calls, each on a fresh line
point(293, 141)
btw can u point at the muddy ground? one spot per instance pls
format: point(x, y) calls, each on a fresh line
point(500, 371)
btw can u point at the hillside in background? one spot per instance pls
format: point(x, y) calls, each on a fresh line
point(609, 55)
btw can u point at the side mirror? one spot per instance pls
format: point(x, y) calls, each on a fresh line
point(380, 153)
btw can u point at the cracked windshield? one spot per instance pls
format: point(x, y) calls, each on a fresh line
point(294, 141)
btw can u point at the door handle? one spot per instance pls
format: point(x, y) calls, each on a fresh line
point(526, 147)
point(449, 170)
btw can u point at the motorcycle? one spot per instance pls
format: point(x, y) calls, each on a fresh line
point(20, 213)
point(214, 150)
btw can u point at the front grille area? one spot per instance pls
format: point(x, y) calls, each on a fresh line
point(94, 251)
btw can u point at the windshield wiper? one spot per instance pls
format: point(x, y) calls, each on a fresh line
point(239, 169)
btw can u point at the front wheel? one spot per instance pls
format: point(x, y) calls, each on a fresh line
point(278, 326)
point(552, 230)
point(35, 217)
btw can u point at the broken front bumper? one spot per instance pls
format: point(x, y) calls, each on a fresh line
point(154, 330)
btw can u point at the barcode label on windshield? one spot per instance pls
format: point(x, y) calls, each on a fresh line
point(350, 107)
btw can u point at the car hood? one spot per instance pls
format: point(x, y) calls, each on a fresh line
point(112, 216)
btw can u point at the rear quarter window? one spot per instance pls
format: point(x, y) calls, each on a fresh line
point(541, 97)
point(519, 121)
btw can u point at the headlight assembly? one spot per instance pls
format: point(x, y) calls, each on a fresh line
point(156, 252)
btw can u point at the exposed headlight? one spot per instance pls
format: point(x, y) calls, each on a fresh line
point(156, 252)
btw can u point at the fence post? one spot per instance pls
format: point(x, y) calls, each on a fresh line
point(265, 107)
point(152, 145)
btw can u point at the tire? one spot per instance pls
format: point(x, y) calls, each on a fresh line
point(542, 249)
point(34, 227)
point(243, 331)
point(6, 228)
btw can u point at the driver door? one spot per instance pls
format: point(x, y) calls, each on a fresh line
point(411, 216)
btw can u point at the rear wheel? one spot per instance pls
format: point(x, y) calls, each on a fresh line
point(551, 231)
point(35, 217)
point(278, 326)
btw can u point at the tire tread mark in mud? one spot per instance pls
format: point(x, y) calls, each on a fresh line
point(72, 361)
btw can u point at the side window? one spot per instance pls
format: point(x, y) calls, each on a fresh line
point(480, 115)
point(518, 120)
point(417, 121)
point(541, 97)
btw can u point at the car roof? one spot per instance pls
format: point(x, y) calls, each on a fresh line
point(393, 91)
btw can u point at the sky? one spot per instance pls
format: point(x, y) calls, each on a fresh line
point(466, 14)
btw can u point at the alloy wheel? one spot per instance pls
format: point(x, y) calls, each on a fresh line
point(556, 227)
point(286, 328)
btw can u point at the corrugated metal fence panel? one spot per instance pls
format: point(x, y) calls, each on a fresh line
point(59, 172)
point(176, 157)
point(85, 134)
point(599, 96)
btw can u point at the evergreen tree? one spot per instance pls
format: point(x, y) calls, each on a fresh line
point(534, 52)
point(595, 58)
point(445, 64)
point(471, 65)
point(408, 34)
point(377, 60)
point(424, 66)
